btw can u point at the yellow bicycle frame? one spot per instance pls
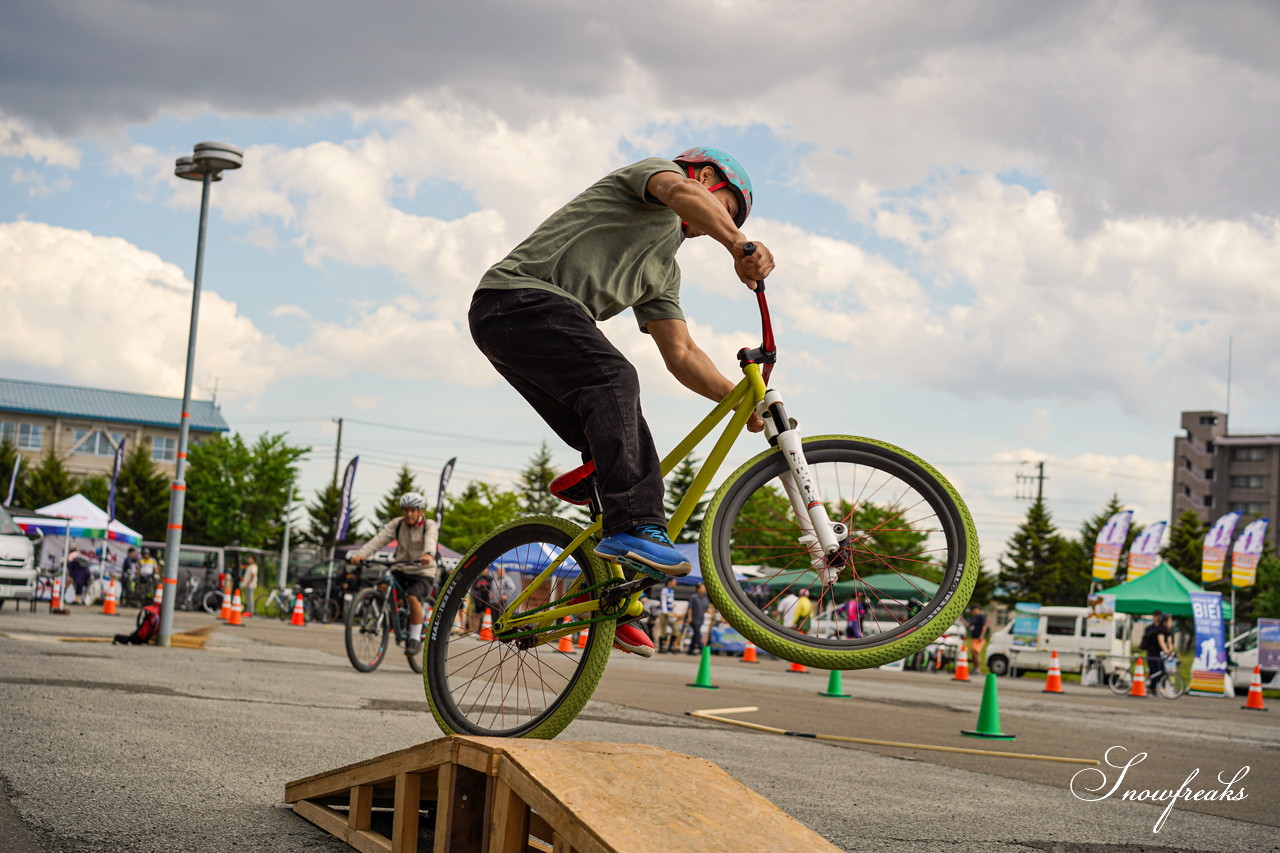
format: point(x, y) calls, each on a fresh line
point(741, 402)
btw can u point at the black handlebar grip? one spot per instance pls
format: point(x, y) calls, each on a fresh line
point(749, 249)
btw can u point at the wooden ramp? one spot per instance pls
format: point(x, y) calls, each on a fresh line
point(498, 795)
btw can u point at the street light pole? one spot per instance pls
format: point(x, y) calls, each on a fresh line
point(206, 165)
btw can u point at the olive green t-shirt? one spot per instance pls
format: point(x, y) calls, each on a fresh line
point(612, 247)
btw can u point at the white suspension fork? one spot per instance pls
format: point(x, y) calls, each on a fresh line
point(819, 535)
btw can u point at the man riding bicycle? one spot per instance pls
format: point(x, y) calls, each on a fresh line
point(415, 536)
point(534, 317)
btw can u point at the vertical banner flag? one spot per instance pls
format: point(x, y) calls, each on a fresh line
point(1146, 549)
point(1215, 547)
point(445, 473)
point(1210, 664)
point(1245, 554)
point(1106, 551)
point(13, 478)
point(344, 508)
point(115, 475)
point(1269, 643)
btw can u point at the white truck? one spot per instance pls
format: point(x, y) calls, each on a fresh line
point(1242, 655)
point(17, 562)
point(1027, 643)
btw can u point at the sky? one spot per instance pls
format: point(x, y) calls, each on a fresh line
point(1006, 232)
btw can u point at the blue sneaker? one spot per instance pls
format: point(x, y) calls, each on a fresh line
point(647, 544)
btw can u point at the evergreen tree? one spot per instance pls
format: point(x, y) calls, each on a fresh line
point(477, 512)
point(390, 507)
point(97, 488)
point(323, 512)
point(985, 589)
point(48, 482)
point(1186, 544)
point(8, 458)
point(1031, 567)
point(678, 485)
point(1077, 574)
point(1266, 592)
point(142, 495)
point(534, 480)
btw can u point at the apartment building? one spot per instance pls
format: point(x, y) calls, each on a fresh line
point(1216, 471)
point(85, 425)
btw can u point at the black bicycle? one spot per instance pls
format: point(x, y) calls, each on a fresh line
point(376, 614)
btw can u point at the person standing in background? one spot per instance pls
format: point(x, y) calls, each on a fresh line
point(248, 583)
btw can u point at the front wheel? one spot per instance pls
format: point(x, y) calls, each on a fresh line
point(368, 630)
point(1120, 681)
point(503, 685)
point(911, 553)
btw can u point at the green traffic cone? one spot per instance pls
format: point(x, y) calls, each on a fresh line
point(988, 714)
point(704, 671)
point(835, 687)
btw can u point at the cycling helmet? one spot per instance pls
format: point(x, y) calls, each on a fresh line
point(736, 177)
point(412, 500)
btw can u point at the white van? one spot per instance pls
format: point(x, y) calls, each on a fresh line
point(17, 562)
point(1242, 657)
point(1069, 631)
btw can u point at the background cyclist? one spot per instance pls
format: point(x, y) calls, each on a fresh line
point(613, 247)
point(415, 536)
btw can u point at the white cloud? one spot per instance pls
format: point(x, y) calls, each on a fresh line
point(100, 311)
point(19, 142)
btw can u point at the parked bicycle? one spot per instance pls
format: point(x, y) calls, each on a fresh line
point(376, 614)
point(1170, 685)
point(279, 604)
point(202, 593)
point(838, 507)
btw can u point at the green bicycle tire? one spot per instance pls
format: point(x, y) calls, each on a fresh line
point(591, 661)
point(959, 576)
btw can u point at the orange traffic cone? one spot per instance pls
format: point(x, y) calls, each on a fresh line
point(235, 609)
point(1053, 684)
point(1139, 687)
point(1254, 702)
point(566, 642)
point(749, 653)
point(159, 596)
point(486, 627)
point(797, 667)
point(225, 612)
point(55, 600)
point(962, 665)
point(299, 614)
point(109, 600)
point(582, 638)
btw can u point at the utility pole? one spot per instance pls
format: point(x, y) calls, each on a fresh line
point(337, 453)
point(1039, 477)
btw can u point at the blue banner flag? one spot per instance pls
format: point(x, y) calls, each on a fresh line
point(115, 475)
point(1210, 665)
point(13, 478)
point(445, 473)
point(344, 508)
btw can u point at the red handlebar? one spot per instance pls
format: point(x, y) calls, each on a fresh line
point(766, 326)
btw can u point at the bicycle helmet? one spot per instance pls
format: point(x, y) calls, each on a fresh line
point(412, 500)
point(736, 177)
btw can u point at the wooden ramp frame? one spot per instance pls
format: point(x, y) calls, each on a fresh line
point(499, 795)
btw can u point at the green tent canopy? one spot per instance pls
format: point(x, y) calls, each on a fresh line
point(885, 585)
point(1163, 588)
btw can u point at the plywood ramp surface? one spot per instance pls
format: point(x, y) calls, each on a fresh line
point(497, 795)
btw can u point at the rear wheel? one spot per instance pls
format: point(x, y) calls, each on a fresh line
point(1120, 681)
point(368, 630)
point(504, 685)
point(911, 551)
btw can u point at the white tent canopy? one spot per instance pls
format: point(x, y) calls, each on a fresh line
point(87, 525)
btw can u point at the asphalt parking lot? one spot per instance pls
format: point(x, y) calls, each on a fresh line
point(106, 748)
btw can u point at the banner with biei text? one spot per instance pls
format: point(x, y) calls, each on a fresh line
point(1209, 669)
point(1145, 552)
point(1106, 551)
point(1245, 554)
point(1215, 547)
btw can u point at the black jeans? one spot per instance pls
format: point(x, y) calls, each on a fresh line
point(551, 351)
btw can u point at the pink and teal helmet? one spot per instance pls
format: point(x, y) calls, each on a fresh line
point(736, 177)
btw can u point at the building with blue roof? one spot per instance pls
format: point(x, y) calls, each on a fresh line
point(84, 426)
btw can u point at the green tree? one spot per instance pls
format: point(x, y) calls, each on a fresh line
point(142, 495)
point(678, 484)
point(8, 458)
point(48, 482)
point(475, 513)
point(534, 480)
point(887, 541)
point(97, 488)
point(1186, 544)
point(1032, 563)
point(390, 507)
point(236, 493)
point(764, 532)
point(1073, 582)
point(323, 512)
point(1266, 599)
point(985, 589)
